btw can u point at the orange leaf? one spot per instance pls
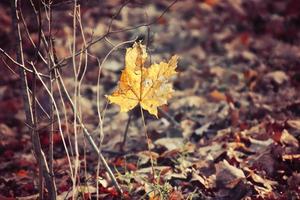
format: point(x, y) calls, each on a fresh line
point(149, 87)
point(217, 96)
point(22, 173)
point(211, 2)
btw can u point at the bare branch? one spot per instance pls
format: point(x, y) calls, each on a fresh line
point(19, 64)
point(109, 32)
point(30, 117)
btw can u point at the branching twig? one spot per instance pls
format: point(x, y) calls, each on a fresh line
point(53, 64)
point(19, 64)
point(51, 74)
point(90, 139)
point(109, 32)
point(27, 105)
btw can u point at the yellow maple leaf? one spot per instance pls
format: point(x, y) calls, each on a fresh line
point(149, 87)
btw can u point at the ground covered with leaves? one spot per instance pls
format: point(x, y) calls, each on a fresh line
point(230, 131)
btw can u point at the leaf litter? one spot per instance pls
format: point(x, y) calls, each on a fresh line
point(235, 97)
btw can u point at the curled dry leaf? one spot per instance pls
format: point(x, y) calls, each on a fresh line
point(207, 182)
point(148, 87)
point(278, 76)
point(6, 131)
point(294, 124)
point(217, 71)
point(291, 157)
point(217, 96)
point(78, 191)
point(260, 182)
point(228, 176)
point(294, 180)
point(170, 143)
point(288, 139)
point(188, 101)
point(176, 195)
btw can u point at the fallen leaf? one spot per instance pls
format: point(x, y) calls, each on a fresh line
point(144, 156)
point(22, 173)
point(11, 105)
point(204, 128)
point(217, 71)
point(278, 76)
point(259, 145)
point(6, 131)
point(188, 127)
point(294, 180)
point(148, 87)
point(188, 101)
point(206, 182)
point(154, 195)
point(148, 170)
point(217, 96)
point(291, 157)
point(288, 139)
point(244, 38)
point(211, 3)
point(79, 190)
point(102, 181)
point(175, 195)
point(228, 176)
point(211, 152)
point(294, 124)
point(122, 163)
point(265, 162)
point(170, 143)
point(268, 184)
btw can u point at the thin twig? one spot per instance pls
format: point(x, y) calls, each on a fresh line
point(19, 64)
point(90, 139)
point(51, 74)
point(148, 142)
point(75, 112)
point(98, 86)
point(58, 118)
point(125, 132)
point(18, 76)
point(91, 43)
point(35, 133)
point(36, 47)
point(27, 103)
point(80, 80)
point(169, 118)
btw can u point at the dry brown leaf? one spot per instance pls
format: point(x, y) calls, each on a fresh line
point(278, 76)
point(208, 183)
point(288, 139)
point(170, 143)
point(291, 157)
point(217, 71)
point(268, 184)
point(176, 195)
point(211, 2)
point(188, 127)
point(217, 96)
point(188, 101)
point(228, 176)
point(294, 124)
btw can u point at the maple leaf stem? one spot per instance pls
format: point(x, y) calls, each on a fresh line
point(125, 132)
point(148, 141)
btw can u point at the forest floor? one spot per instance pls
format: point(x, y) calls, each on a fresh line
point(230, 131)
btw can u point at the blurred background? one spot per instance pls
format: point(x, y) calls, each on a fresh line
point(238, 83)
